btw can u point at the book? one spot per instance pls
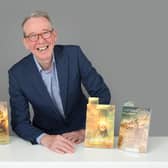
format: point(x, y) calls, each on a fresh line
point(134, 129)
point(99, 130)
point(4, 127)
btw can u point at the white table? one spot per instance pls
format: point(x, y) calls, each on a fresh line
point(20, 154)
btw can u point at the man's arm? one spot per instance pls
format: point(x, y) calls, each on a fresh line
point(20, 115)
point(94, 85)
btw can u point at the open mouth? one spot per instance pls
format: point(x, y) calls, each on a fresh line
point(42, 48)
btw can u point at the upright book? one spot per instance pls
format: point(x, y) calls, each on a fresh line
point(99, 124)
point(4, 128)
point(134, 129)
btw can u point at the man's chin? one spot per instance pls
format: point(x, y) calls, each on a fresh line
point(43, 56)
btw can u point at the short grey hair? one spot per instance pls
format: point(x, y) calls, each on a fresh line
point(37, 14)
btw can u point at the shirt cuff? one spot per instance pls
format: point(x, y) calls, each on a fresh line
point(39, 137)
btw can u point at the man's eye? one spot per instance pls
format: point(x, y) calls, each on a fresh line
point(45, 33)
point(33, 35)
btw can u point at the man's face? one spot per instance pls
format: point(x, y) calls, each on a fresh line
point(42, 47)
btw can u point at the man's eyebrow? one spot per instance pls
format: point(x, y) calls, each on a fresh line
point(48, 29)
point(41, 30)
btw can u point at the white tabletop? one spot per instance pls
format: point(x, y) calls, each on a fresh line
point(18, 152)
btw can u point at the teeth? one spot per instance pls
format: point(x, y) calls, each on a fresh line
point(42, 48)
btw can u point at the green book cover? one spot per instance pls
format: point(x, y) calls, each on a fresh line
point(134, 129)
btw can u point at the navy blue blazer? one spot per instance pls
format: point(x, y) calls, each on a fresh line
point(27, 87)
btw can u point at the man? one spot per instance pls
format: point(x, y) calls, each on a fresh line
point(50, 78)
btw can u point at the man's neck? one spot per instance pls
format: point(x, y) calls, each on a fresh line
point(46, 65)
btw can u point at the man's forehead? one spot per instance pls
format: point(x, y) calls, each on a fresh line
point(37, 24)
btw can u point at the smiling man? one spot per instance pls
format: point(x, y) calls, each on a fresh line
point(50, 79)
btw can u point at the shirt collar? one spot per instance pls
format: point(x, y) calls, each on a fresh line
point(40, 69)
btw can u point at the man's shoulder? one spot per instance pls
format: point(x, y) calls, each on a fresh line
point(66, 48)
point(21, 64)
point(69, 52)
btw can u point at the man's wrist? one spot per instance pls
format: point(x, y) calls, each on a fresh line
point(38, 139)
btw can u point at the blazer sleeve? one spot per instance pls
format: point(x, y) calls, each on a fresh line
point(20, 115)
point(92, 80)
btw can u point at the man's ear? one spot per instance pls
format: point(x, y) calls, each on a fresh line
point(55, 35)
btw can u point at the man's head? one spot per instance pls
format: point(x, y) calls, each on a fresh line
point(39, 35)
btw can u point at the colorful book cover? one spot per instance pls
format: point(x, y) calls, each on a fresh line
point(99, 125)
point(4, 128)
point(134, 129)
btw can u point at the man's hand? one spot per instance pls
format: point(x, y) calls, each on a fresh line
point(75, 136)
point(57, 143)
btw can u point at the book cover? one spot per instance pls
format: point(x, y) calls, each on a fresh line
point(4, 127)
point(99, 125)
point(134, 129)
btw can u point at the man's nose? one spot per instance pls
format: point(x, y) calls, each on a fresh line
point(40, 38)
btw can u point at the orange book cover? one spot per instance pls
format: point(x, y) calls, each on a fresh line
point(4, 127)
point(99, 125)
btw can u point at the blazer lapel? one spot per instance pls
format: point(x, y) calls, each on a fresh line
point(62, 71)
point(39, 85)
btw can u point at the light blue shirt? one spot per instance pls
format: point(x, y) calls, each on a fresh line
point(50, 79)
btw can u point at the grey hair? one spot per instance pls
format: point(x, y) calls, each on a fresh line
point(37, 14)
